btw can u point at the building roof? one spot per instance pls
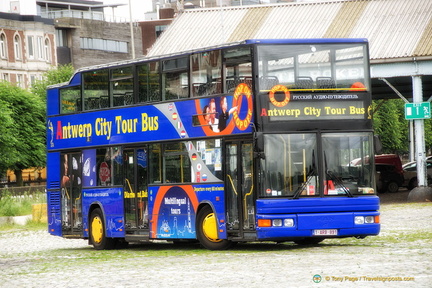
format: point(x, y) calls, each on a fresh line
point(396, 29)
point(399, 33)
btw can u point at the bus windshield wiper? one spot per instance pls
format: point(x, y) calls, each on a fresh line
point(304, 184)
point(338, 182)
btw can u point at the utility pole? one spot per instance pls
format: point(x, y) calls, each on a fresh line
point(422, 192)
point(131, 31)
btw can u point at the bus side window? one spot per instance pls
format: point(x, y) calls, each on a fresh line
point(95, 86)
point(155, 162)
point(206, 73)
point(238, 67)
point(175, 79)
point(149, 82)
point(122, 83)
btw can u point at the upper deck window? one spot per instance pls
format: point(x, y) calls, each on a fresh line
point(206, 73)
point(238, 67)
point(121, 87)
point(175, 80)
point(95, 88)
point(70, 100)
point(149, 86)
point(320, 67)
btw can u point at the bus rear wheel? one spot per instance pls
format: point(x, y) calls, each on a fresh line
point(207, 230)
point(98, 233)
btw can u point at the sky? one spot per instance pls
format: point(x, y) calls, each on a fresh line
point(139, 7)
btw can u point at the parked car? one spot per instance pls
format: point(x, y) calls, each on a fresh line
point(389, 172)
point(389, 178)
point(410, 173)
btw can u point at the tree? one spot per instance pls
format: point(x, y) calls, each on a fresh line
point(59, 74)
point(390, 124)
point(23, 134)
point(6, 141)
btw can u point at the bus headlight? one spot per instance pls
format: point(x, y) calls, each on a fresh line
point(289, 222)
point(366, 219)
point(369, 219)
point(277, 222)
point(359, 220)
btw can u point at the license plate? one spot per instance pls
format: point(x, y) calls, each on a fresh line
point(325, 232)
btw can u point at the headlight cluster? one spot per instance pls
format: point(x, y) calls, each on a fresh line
point(366, 219)
point(288, 222)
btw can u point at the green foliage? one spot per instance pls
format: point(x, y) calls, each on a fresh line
point(6, 142)
point(56, 75)
point(24, 137)
point(390, 124)
point(19, 205)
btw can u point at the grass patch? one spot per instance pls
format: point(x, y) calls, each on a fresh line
point(19, 205)
point(30, 226)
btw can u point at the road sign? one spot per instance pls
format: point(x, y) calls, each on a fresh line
point(417, 111)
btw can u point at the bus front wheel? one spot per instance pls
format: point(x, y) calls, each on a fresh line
point(207, 230)
point(98, 233)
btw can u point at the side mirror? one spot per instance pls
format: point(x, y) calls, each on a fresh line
point(377, 145)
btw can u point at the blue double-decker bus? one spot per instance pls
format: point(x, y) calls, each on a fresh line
point(248, 141)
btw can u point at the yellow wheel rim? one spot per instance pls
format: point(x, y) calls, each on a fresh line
point(209, 226)
point(97, 229)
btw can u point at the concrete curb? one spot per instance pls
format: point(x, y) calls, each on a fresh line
point(19, 220)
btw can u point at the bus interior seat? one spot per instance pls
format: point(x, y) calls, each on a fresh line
point(267, 82)
point(104, 102)
point(231, 83)
point(92, 103)
point(304, 82)
point(128, 98)
point(118, 100)
point(325, 82)
point(248, 81)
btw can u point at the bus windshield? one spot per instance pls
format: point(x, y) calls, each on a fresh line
point(292, 163)
point(315, 67)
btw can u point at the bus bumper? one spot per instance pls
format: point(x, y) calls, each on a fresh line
point(324, 225)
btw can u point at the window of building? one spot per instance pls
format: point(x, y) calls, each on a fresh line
point(17, 47)
point(5, 76)
point(32, 79)
point(30, 47)
point(20, 80)
point(61, 38)
point(3, 46)
point(47, 49)
point(40, 49)
point(159, 29)
point(103, 44)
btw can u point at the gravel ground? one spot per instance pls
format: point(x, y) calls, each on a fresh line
point(398, 257)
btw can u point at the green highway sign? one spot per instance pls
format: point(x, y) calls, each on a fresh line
point(417, 111)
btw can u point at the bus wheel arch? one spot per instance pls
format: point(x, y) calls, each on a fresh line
point(97, 230)
point(207, 230)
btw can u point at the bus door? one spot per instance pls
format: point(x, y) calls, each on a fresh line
point(239, 187)
point(135, 190)
point(71, 184)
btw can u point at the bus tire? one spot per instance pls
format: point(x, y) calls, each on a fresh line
point(98, 233)
point(207, 233)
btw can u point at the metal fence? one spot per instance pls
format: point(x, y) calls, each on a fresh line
point(24, 190)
